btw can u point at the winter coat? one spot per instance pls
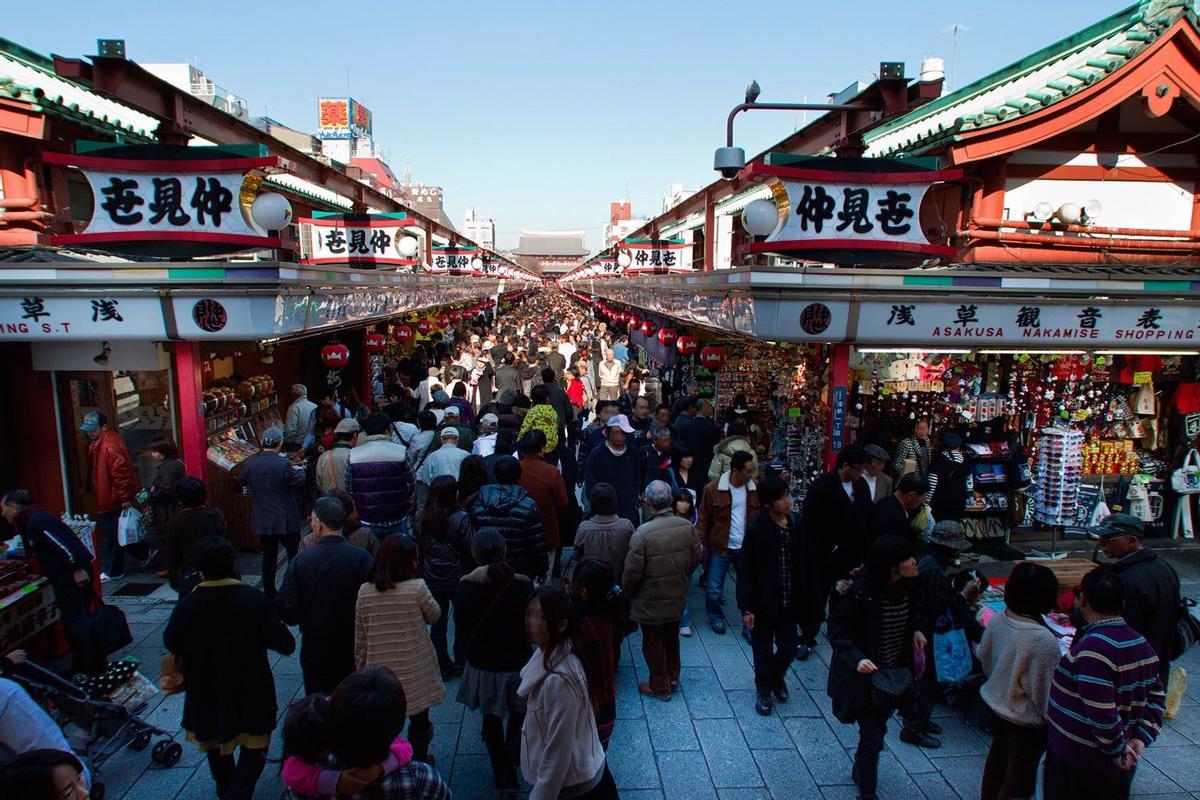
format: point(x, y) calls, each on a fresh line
point(723, 454)
point(701, 435)
point(662, 554)
point(950, 483)
point(545, 485)
point(1151, 600)
point(221, 633)
point(445, 553)
point(492, 640)
point(840, 523)
point(511, 510)
point(507, 377)
point(186, 528)
point(273, 484)
point(55, 546)
point(545, 419)
point(162, 491)
point(331, 467)
point(716, 508)
point(606, 538)
point(112, 472)
point(758, 584)
point(854, 634)
point(389, 631)
point(380, 481)
point(623, 471)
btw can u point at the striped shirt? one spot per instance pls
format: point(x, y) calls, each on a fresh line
point(893, 623)
point(1106, 692)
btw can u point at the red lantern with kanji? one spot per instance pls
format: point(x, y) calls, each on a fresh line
point(426, 326)
point(403, 334)
point(375, 343)
point(667, 336)
point(649, 327)
point(335, 356)
point(455, 314)
point(713, 357)
point(635, 322)
point(687, 345)
point(443, 320)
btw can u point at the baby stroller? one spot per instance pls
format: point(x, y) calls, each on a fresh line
point(95, 729)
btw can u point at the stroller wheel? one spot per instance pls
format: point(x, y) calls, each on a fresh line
point(140, 740)
point(167, 753)
point(99, 790)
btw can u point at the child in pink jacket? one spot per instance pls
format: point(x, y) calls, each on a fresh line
point(306, 746)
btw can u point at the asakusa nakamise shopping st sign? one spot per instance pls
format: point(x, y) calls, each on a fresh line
point(453, 260)
point(166, 201)
point(658, 256)
point(361, 240)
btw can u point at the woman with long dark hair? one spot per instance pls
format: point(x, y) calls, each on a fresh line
point(444, 535)
point(561, 754)
point(393, 609)
point(472, 475)
point(874, 629)
point(489, 627)
point(596, 640)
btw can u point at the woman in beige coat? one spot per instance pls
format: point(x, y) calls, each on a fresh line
point(390, 620)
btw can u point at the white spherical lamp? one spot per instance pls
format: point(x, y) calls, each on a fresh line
point(271, 211)
point(408, 246)
point(623, 259)
point(760, 217)
point(477, 264)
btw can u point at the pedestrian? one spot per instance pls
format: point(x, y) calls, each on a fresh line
point(445, 460)
point(485, 443)
point(879, 482)
point(272, 480)
point(424, 442)
point(508, 376)
point(662, 554)
point(778, 588)
point(44, 774)
point(543, 416)
point(380, 480)
point(700, 433)
point(489, 624)
point(545, 485)
point(727, 507)
point(1106, 701)
point(913, 454)
point(597, 638)
point(609, 372)
point(873, 629)
point(838, 509)
point(616, 463)
point(1150, 583)
point(331, 465)
point(895, 514)
point(445, 538)
point(425, 389)
point(168, 472)
point(220, 633)
point(296, 420)
point(506, 507)
point(738, 441)
point(355, 532)
point(604, 536)
point(194, 521)
point(950, 480)
point(1019, 654)
point(319, 594)
point(393, 608)
point(685, 474)
point(656, 457)
point(112, 476)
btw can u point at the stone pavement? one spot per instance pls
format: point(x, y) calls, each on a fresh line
point(706, 743)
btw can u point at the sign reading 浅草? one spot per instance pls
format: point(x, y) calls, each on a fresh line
point(97, 318)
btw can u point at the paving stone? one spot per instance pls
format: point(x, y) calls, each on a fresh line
point(641, 794)
point(963, 773)
point(800, 704)
point(269, 786)
point(470, 739)
point(444, 746)
point(828, 765)
point(733, 669)
point(1186, 724)
point(703, 693)
point(739, 793)
point(631, 758)
point(958, 738)
point(692, 652)
point(629, 702)
point(472, 777)
point(670, 725)
point(729, 761)
point(761, 733)
point(785, 774)
point(1149, 780)
point(912, 758)
point(200, 786)
point(839, 792)
point(1180, 763)
point(894, 780)
point(449, 710)
point(934, 786)
point(159, 782)
point(685, 776)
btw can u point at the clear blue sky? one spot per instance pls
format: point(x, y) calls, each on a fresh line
point(539, 114)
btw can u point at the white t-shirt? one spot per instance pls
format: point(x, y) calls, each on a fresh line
point(737, 516)
point(870, 479)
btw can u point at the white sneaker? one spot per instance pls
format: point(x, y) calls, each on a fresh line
point(104, 578)
point(685, 630)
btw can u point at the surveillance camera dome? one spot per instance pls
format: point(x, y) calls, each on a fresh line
point(729, 161)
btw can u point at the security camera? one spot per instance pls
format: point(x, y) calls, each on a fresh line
point(729, 161)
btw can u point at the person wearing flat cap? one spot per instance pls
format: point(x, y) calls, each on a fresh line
point(1151, 584)
point(331, 465)
point(879, 483)
point(274, 513)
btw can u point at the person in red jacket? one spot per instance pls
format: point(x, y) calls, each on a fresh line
point(116, 485)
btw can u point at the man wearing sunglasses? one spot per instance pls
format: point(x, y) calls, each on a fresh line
point(1150, 583)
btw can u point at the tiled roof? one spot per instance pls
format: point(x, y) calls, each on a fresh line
point(308, 189)
point(1033, 83)
point(551, 243)
point(29, 78)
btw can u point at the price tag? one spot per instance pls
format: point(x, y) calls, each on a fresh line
point(1142, 378)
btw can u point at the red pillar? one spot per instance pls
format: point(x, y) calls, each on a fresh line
point(193, 441)
point(710, 232)
point(839, 393)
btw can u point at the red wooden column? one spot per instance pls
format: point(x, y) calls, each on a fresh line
point(839, 394)
point(193, 442)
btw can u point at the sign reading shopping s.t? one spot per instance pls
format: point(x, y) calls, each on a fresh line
point(171, 201)
point(848, 210)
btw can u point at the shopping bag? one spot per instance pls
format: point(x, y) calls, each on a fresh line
point(129, 528)
point(1186, 479)
point(951, 654)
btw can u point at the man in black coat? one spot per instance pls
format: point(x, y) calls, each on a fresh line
point(1151, 585)
point(64, 560)
point(778, 587)
point(319, 594)
point(701, 433)
point(273, 480)
point(619, 464)
point(893, 515)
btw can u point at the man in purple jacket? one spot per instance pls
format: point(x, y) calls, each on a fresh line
point(380, 480)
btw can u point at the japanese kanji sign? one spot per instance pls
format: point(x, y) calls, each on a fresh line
point(658, 256)
point(40, 316)
point(453, 260)
point(342, 118)
point(361, 240)
point(155, 206)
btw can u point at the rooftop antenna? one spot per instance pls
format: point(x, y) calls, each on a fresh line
point(953, 29)
point(347, 80)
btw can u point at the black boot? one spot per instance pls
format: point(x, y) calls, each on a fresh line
point(493, 737)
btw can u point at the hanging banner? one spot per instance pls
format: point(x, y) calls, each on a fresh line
point(453, 260)
point(162, 200)
point(363, 241)
point(658, 256)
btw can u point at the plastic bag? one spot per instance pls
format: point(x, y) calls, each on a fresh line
point(129, 528)
point(951, 655)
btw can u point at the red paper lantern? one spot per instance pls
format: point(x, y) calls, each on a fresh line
point(403, 334)
point(634, 322)
point(443, 320)
point(426, 326)
point(667, 336)
point(649, 327)
point(687, 345)
point(335, 356)
point(375, 343)
point(713, 357)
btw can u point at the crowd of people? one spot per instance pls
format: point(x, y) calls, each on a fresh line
point(510, 439)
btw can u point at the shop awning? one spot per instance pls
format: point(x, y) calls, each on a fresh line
point(955, 307)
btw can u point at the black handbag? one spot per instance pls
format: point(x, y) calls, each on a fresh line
point(891, 686)
point(95, 635)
